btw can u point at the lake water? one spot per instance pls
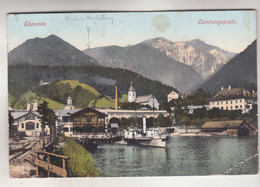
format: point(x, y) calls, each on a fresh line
point(184, 156)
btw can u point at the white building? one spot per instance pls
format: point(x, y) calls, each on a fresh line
point(191, 108)
point(172, 95)
point(144, 100)
point(28, 121)
point(233, 99)
point(65, 124)
point(148, 100)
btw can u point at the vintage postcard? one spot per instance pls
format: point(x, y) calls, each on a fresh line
point(130, 94)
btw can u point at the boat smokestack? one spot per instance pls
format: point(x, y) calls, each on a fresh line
point(144, 124)
point(116, 97)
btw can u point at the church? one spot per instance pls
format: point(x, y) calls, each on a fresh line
point(143, 100)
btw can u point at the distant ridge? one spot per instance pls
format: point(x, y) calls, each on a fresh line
point(240, 71)
point(206, 59)
point(149, 62)
point(52, 51)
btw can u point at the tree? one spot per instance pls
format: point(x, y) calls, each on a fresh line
point(200, 113)
point(214, 113)
point(10, 120)
point(200, 97)
point(47, 117)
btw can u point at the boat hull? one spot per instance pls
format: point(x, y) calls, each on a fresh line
point(152, 142)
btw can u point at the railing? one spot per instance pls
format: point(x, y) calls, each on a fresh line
point(48, 147)
point(50, 167)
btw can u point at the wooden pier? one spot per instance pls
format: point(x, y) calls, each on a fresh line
point(91, 141)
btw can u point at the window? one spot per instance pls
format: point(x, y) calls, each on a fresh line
point(222, 108)
point(226, 102)
point(221, 102)
point(37, 125)
point(231, 107)
point(30, 126)
point(226, 108)
point(240, 100)
point(236, 101)
point(240, 106)
point(218, 103)
point(231, 103)
point(65, 129)
point(71, 129)
point(236, 106)
point(22, 125)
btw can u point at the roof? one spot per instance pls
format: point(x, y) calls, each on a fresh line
point(173, 92)
point(144, 99)
point(68, 112)
point(87, 110)
point(233, 93)
point(21, 113)
point(222, 124)
point(131, 87)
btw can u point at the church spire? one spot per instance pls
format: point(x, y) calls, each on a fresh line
point(131, 87)
point(131, 93)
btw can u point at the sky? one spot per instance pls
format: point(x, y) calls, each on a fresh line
point(230, 30)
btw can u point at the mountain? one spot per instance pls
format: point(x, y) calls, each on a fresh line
point(204, 58)
point(52, 51)
point(240, 71)
point(149, 62)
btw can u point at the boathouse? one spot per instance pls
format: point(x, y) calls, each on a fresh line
point(88, 120)
point(229, 128)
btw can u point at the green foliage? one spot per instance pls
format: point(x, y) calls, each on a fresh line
point(80, 163)
point(162, 121)
point(105, 102)
point(52, 104)
point(83, 95)
point(165, 106)
point(47, 115)
point(29, 96)
point(123, 98)
point(200, 113)
point(199, 98)
point(214, 113)
point(10, 119)
point(78, 86)
point(11, 100)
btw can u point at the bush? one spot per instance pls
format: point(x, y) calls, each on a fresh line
point(80, 163)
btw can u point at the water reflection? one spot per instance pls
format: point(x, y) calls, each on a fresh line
point(184, 156)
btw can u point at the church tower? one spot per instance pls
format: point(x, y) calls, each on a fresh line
point(131, 94)
point(69, 101)
point(69, 105)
